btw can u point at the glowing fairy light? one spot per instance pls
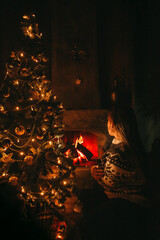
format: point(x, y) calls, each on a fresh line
point(42, 193)
point(59, 237)
point(17, 108)
point(25, 17)
point(53, 191)
point(21, 153)
point(59, 160)
point(64, 182)
point(33, 140)
point(22, 189)
point(16, 82)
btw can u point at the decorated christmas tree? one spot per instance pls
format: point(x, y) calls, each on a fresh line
point(32, 154)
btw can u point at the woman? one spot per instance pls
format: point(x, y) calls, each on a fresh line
point(121, 173)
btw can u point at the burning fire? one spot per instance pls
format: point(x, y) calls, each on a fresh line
point(81, 156)
point(79, 140)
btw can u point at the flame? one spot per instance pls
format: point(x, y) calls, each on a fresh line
point(79, 140)
point(81, 156)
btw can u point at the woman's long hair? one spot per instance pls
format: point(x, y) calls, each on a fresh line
point(125, 123)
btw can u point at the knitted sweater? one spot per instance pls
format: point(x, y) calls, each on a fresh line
point(123, 177)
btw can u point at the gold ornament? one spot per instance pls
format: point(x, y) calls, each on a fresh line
point(6, 158)
point(13, 180)
point(45, 119)
point(40, 137)
point(28, 160)
point(6, 143)
point(1, 108)
point(45, 59)
point(55, 172)
point(33, 150)
point(7, 94)
point(24, 72)
point(20, 130)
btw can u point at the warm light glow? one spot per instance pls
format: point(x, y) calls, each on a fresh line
point(16, 82)
point(22, 189)
point(42, 193)
point(64, 182)
point(33, 139)
point(21, 153)
point(61, 105)
point(53, 191)
point(58, 160)
point(25, 17)
point(50, 142)
point(17, 108)
point(42, 95)
point(30, 28)
point(59, 236)
point(22, 54)
point(17, 140)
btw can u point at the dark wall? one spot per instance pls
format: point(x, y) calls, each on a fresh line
point(116, 49)
point(74, 54)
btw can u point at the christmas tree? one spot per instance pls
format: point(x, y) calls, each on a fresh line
point(32, 154)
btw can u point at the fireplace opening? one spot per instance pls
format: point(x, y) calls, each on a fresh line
point(83, 145)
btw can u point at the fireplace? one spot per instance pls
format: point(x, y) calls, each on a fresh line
point(88, 128)
point(91, 125)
